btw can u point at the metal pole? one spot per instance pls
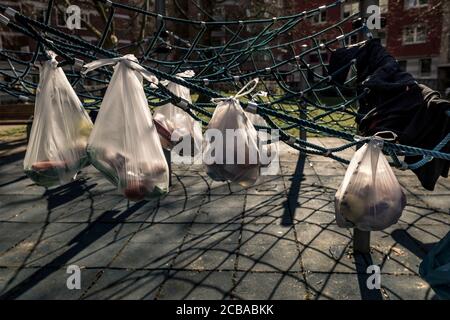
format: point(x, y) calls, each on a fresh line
point(160, 8)
point(361, 239)
point(168, 155)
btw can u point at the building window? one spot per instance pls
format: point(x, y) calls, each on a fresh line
point(384, 6)
point(403, 64)
point(414, 34)
point(425, 67)
point(61, 19)
point(350, 9)
point(320, 17)
point(409, 4)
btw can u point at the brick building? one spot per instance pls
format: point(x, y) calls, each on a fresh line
point(416, 33)
point(92, 26)
point(91, 17)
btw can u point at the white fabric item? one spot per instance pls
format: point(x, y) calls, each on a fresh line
point(124, 144)
point(370, 197)
point(57, 146)
point(178, 124)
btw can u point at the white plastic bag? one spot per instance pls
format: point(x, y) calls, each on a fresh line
point(124, 144)
point(176, 123)
point(370, 197)
point(232, 156)
point(57, 146)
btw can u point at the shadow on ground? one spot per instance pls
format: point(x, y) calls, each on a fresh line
point(205, 240)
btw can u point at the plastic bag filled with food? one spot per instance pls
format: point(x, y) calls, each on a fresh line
point(370, 197)
point(230, 147)
point(124, 144)
point(174, 124)
point(57, 145)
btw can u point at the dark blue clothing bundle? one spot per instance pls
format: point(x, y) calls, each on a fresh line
point(397, 103)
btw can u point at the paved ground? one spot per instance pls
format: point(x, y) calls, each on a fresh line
point(276, 240)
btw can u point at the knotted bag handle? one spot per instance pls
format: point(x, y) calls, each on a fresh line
point(241, 93)
point(129, 60)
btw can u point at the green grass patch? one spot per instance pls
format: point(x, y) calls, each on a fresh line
point(13, 132)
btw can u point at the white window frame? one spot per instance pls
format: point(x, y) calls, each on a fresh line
point(384, 6)
point(122, 16)
point(415, 34)
point(351, 8)
point(319, 15)
point(412, 4)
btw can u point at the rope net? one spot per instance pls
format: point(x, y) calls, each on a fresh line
point(302, 98)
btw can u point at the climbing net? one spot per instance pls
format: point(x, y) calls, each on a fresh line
point(301, 99)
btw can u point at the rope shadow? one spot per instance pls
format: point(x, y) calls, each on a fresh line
point(81, 241)
point(292, 199)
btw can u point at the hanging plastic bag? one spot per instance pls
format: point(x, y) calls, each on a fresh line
point(435, 268)
point(124, 144)
point(57, 146)
point(174, 124)
point(370, 197)
point(230, 148)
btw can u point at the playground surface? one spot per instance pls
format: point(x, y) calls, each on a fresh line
point(208, 240)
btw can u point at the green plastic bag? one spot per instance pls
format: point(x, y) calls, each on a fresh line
point(435, 268)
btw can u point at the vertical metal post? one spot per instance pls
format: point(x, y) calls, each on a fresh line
point(29, 124)
point(302, 109)
point(361, 239)
point(168, 155)
point(160, 8)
